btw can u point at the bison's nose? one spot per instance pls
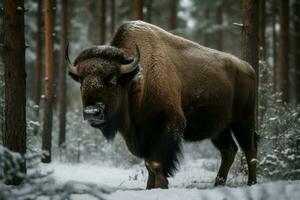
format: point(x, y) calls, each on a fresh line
point(94, 113)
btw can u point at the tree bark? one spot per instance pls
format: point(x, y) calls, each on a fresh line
point(14, 135)
point(297, 50)
point(173, 14)
point(262, 27)
point(206, 35)
point(219, 20)
point(93, 34)
point(284, 50)
point(149, 10)
point(38, 59)
point(138, 10)
point(112, 16)
point(102, 21)
point(251, 33)
point(48, 112)
point(62, 74)
point(55, 54)
point(251, 50)
point(274, 44)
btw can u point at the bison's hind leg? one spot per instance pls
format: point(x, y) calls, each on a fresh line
point(247, 139)
point(227, 147)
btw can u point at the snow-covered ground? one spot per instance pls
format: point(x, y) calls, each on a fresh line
point(194, 180)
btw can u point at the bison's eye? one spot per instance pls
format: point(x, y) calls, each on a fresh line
point(112, 80)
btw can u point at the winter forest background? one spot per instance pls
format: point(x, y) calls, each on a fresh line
point(266, 33)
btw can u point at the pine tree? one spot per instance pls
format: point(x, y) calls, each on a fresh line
point(62, 73)
point(250, 29)
point(173, 14)
point(297, 45)
point(48, 112)
point(102, 21)
point(148, 5)
point(14, 135)
point(219, 19)
point(112, 16)
point(274, 43)
point(283, 83)
point(138, 10)
point(38, 59)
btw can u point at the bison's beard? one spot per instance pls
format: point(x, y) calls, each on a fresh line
point(109, 128)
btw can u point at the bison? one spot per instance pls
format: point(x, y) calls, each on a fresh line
point(157, 89)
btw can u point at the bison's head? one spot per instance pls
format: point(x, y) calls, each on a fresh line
point(103, 72)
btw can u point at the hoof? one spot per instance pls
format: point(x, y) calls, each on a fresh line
point(220, 181)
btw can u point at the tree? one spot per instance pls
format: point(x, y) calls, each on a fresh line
point(262, 27)
point(112, 16)
point(173, 14)
point(206, 35)
point(148, 5)
point(284, 50)
point(251, 33)
point(219, 16)
point(274, 43)
point(297, 45)
point(38, 59)
point(92, 15)
point(62, 73)
point(14, 135)
point(250, 29)
point(48, 112)
point(138, 10)
point(102, 21)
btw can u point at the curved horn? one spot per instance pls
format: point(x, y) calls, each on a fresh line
point(127, 68)
point(71, 67)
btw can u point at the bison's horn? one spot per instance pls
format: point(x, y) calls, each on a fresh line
point(71, 67)
point(127, 68)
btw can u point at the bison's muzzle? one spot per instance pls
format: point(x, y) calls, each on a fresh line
point(94, 114)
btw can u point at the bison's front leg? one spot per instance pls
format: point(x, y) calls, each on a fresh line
point(151, 177)
point(156, 177)
point(163, 158)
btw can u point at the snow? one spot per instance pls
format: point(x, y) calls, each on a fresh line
point(274, 190)
point(194, 180)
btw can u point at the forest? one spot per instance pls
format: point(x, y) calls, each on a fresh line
point(49, 150)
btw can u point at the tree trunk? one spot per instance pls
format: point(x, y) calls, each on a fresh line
point(262, 27)
point(251, 33)
point(14, 135)
point(93, 34)
point(173, 14)
point(112, 16)
point(297, 50)
point(138, 10)
point(219, 20)
point(263, 74)
point(206, 35)
point(102, 21)
point(62, 74)
point(274, 44)
point(55, 54)
point(48, 112)
point(38, 59)
point(149, 10)
point(284, 50)
point(250, 30)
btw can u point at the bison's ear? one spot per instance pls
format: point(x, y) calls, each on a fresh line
point(74, 76)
